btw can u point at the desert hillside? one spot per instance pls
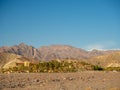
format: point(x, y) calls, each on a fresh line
point(106, 60)
point(8, 60)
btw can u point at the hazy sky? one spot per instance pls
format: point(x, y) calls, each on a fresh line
point(84, 24)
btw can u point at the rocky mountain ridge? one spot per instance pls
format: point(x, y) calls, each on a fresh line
point(53, 52)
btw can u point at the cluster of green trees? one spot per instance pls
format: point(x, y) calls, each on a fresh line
point(57, 66)
point(51, 66)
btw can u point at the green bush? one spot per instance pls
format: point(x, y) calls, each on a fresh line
point(96, 67)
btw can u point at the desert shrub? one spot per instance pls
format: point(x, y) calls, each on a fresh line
point(99, 68)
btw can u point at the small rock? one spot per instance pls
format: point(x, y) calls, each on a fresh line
point(56, 80)
point(69, 78)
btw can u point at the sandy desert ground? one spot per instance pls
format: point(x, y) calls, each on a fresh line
point(86, 80)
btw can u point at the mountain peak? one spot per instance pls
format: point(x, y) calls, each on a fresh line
point(22, 44)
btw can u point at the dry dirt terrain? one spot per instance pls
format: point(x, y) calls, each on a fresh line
point(86, 80)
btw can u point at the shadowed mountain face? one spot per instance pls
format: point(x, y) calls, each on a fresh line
point(53, 52)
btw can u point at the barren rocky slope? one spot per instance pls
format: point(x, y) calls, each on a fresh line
point(22, 49)
point(106, 60)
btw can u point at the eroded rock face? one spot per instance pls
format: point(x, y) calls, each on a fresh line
point(22, 49)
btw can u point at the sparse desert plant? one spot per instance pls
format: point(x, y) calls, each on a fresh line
point(96, 67)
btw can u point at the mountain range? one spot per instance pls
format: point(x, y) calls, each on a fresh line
point(22, 52)
point(53, 52)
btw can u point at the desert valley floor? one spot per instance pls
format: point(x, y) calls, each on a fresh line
point(86, 80)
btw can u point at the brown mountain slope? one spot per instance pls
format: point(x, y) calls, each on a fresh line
point(22, 49)
point(7, 57)
point(106, 60)
point(62, 52)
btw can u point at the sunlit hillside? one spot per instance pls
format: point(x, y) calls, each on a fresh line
point(106, 60)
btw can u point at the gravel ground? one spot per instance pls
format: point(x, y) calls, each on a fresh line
point(87, 80)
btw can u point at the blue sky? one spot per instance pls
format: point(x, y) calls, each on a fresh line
point(84, 24)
